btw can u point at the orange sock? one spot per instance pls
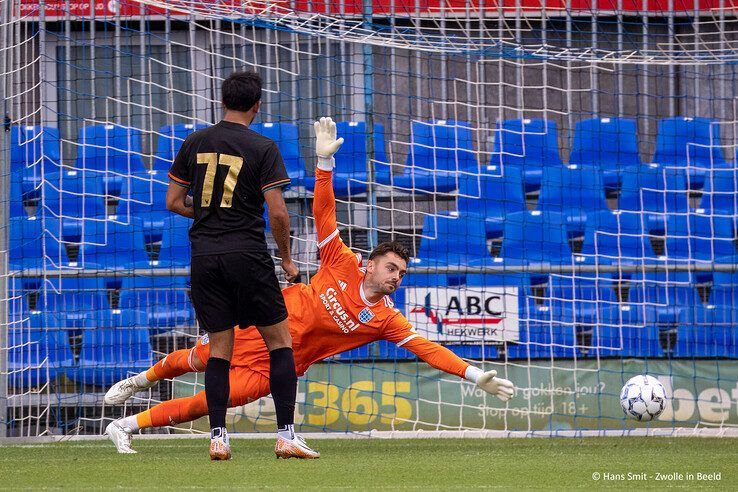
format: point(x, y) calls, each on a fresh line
point(174, 411)
point(175, 364)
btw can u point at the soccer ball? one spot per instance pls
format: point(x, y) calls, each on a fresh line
point(643, 398)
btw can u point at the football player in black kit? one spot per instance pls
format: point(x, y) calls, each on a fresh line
point(231, 172)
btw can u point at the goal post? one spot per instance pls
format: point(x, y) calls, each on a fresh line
point(563, 175)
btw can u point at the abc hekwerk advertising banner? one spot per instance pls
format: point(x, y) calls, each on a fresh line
point(471, 314)
point(411, 396)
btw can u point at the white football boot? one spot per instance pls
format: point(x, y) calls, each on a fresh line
point(120, 436)
point(123, 390)
point(294, 448)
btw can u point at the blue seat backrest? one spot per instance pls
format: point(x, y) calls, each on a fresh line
point(287, 138)
point(683, 140)
point(453, 240)
point(110, 147)
point(29, 143)
point(654, 189)
point(442, 145)
point(123, 337)
point(617, 235)
point(170, 140)
point(112, 244)
point(720, 193)
point(571, 188)
point(175, 243)
point(526, 142)
point(535, 236)
point(492, 194)
point(352, 158)
point(605, 142)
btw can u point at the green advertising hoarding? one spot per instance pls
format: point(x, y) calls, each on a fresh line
point(562, 395)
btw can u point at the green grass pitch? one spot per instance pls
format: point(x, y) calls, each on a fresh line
point(552, 463)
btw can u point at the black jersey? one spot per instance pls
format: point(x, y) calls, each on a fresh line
point(228, 167)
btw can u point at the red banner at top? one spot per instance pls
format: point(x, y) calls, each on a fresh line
point(380, 8)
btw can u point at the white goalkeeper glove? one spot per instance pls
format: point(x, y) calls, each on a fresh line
point(489, 382)
point(326, 143)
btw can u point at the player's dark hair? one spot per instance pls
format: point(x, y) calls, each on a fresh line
point(241, 90)
point(391, 247)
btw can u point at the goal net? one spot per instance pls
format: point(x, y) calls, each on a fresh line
point(563, 174)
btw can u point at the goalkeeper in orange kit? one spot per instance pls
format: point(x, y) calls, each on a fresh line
point(345, 306)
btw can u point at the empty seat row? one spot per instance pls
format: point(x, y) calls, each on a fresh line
point(163, 299)
point(534, 237)
point(440, 152)
point(39, 349)
point(38, 242)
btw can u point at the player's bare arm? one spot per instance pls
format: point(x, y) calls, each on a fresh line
point(178, 200)
point(279, 220)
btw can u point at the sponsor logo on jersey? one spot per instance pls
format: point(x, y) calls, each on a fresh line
point(205, 339)
point(342, 284)
point(337, 312)
point(366, 315)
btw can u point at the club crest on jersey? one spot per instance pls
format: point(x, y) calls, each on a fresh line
point(366, 315)
point(342, 284)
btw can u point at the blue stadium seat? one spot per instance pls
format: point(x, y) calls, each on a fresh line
point(452, 240)
point(36, 353)
point(144, 196)
point(720, 193)
point(541, 335)
point(711, 331)
point(574, 191)
point(724, 291)
point(29, 143)
point(67, 295)
point(175, 244)
point(626, 331)
point(493, 194)
point(653, 188)
point(117, 348)
point(26, 245)
point(110, 148)
point(350, 175)
point(113, 245)
point(615, 237)
point(36, 242)
point(610, 144)
point(700, 237)
point(580, 297)
point(535, 237)
point(669, 295)
point(690, 142)
point(287, 138)
point(165, 300)
point(441, 151)
point(529, 145)
point(169, 141)
point(74, 194)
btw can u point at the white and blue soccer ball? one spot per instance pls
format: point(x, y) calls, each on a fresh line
point(643, 398)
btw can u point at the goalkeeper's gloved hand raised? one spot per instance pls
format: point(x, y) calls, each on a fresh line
point(326, 143)
point(489, 382)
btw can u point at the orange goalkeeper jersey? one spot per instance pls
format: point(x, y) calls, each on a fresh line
point(332, 315)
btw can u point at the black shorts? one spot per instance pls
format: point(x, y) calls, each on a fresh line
point(236, 289)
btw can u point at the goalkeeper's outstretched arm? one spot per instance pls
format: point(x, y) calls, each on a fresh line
point(324, 201)
point(401, 332)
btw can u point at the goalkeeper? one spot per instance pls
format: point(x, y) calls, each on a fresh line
point(345, 306)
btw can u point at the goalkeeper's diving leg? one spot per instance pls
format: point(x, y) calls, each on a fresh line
point(245, 386)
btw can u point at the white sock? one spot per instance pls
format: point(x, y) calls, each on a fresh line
point(287, 432)
point(219, 433)
point(141, 380)
point(129, 424)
